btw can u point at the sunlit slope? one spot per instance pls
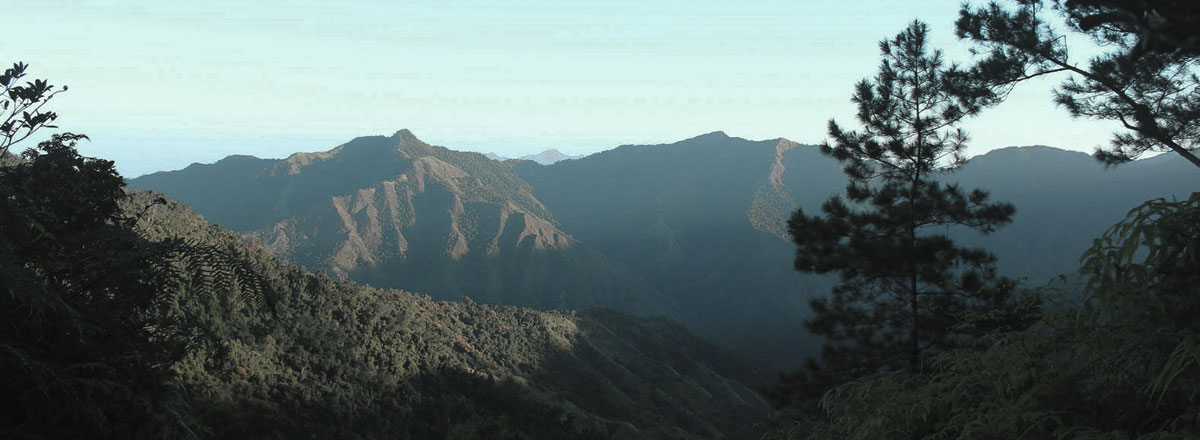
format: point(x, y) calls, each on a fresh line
point(396, 212)
point(694, 230)
point(340, 360)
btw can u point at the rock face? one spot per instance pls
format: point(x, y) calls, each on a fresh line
point(397, 212)
point(694, 230)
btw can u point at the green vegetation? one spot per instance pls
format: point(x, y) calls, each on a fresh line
point(127, 315)
point(124, 314)
point(91, 330)
point(1145, 76)
point(652, 231)
point(1122, 361)
point(340, 360)
point(906, 288)
point(21, 106)
point(1114, 352)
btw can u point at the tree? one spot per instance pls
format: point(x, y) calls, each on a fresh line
point(1145, 76)
point(89, 331)
point(21, 106)
point(1120, 360)
point(905, 287)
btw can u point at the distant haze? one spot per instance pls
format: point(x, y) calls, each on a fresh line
point(160, 85)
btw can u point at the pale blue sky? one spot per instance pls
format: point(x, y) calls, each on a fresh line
point(161, 84)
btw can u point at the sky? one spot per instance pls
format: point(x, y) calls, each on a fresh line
point(158, 85)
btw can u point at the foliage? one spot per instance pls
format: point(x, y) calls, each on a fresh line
point(906, 287)
point(89, 337)
point(341, 360)
point(87, 342)
point(1121, 361)
point(1145, 76)
point(664, 226)
point(21, 106)
point(899, 281)
point(122, 328)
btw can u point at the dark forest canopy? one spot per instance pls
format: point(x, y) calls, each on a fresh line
point(127, 315)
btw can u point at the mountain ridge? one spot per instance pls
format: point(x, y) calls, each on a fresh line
point(694, 230)
point(545, 157)
point(335, 360)
point(397, 212)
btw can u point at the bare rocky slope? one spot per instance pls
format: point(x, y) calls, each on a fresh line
point(693, 230)
point(396, 212)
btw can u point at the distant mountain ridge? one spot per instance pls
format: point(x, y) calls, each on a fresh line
point(396, 212)
point(694, 229)
point(547, 157)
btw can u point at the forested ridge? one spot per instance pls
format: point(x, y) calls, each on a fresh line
point(313, 356)
point(126, 314)
point(339, 360)
point(677, 229)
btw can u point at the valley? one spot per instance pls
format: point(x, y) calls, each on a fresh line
point(692, 231)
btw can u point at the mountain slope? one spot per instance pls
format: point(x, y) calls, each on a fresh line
point(338, 360)
point(1064, 200)
point(701, 219)
point(548, 157)
point(694, 230)
point(396, 212)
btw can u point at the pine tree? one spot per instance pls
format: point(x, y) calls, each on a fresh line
point(1145, 76)
point(906, 287)
point(1115, 358)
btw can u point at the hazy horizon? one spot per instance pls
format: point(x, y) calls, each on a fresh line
point(160, 85)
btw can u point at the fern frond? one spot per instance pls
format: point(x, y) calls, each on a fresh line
point(1186, 354)
point(209, 271)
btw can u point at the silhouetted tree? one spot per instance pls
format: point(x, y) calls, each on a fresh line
point(1121, 359)
point(1145, 76)
point(89, 328)
point(906, 287)
point(21, 106)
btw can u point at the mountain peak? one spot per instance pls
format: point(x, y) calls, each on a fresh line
point(548, 157)
point(714, 135)
point(407, 137)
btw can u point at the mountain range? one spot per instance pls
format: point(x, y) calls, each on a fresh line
point(692, 230)
point(547, 157)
